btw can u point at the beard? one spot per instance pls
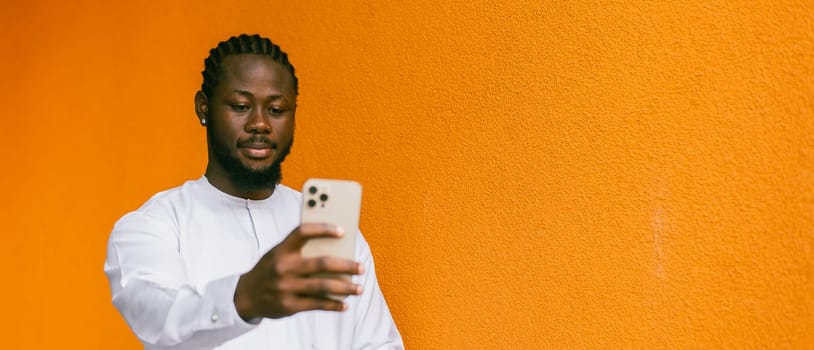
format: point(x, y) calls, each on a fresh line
point(244, 177)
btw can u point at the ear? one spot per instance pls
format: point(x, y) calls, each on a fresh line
point(201, 107)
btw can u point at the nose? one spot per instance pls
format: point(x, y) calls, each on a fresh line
point(258, 122)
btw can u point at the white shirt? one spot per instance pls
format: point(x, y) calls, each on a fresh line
point(174, 263)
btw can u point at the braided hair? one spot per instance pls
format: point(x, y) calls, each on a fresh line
point(242, 44)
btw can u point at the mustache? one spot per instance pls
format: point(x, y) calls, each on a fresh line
point(255, 141)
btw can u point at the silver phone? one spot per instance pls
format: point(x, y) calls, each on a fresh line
point(337, 202)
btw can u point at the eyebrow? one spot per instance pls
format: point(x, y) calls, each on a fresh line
point(249, 94)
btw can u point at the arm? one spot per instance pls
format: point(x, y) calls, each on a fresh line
point(149, 284)
point(150, 288)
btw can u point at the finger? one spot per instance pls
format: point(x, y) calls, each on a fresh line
point(328, 264)
point(304, 232)
point(298, 304)
point(320, 287)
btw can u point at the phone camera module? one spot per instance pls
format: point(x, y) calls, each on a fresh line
point(312, 203)
point(323, 197)
point(312, 190)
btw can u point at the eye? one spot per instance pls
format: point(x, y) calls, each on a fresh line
point(275, 111)
point(240, 107)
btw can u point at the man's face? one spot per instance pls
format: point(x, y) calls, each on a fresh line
point(250, 119)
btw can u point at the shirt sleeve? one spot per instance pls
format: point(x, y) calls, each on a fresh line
point(151, 289)
point(374, 327)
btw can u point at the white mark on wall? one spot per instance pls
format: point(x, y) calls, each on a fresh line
point(657, 222)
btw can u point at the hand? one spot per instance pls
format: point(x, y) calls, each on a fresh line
point(279, 285)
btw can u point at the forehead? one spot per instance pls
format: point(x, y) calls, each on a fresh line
point(258, 71)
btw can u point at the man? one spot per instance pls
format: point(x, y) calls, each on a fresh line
point(216, 262)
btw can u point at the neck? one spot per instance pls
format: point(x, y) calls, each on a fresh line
point(221, 180)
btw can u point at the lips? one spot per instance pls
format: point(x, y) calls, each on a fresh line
point(257, 149)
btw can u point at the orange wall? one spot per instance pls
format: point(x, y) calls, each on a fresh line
point(537, 175)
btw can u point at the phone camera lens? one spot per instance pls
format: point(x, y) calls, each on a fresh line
point(312, 203)
point(312, 190)
point(323, 197)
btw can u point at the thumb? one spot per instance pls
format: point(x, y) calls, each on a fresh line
point(297, 238)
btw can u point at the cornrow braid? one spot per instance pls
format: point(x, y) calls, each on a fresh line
point(242, 44)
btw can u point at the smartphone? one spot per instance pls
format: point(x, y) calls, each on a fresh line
point(337, 202)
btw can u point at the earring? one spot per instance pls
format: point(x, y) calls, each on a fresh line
point(203, 121)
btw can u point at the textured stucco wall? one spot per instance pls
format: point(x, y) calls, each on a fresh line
point(614, 174)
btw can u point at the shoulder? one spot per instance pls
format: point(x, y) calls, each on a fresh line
point(287, 193)
point(162, 208)
point(165, 200)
